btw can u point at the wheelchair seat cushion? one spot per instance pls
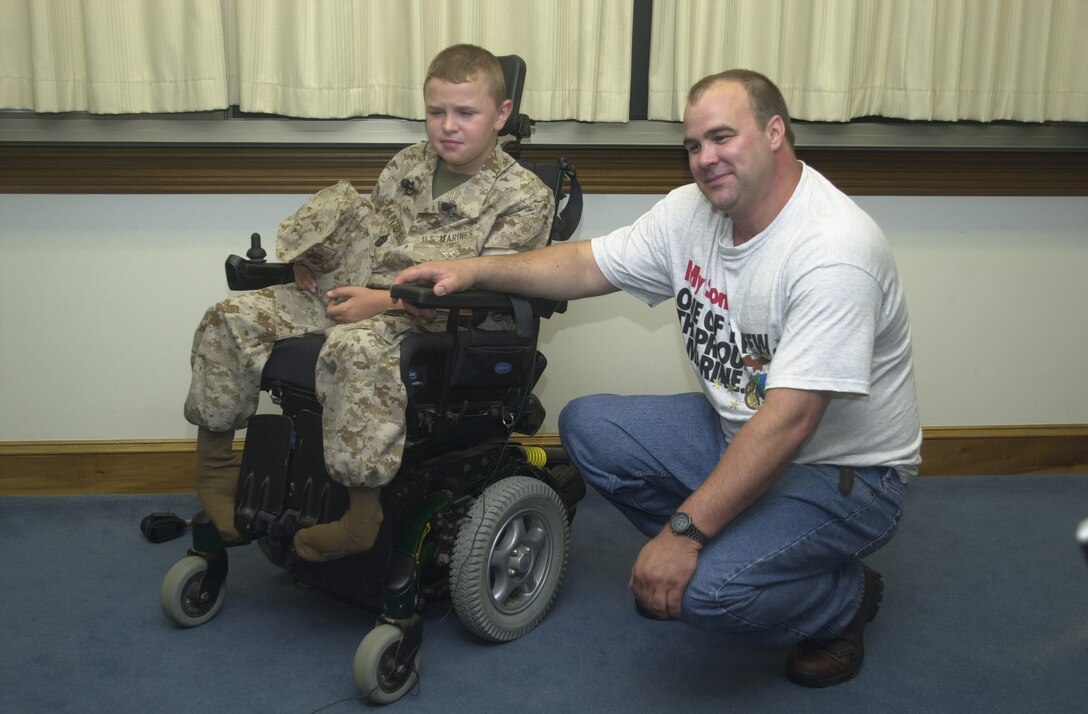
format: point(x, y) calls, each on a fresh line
point(293, 361)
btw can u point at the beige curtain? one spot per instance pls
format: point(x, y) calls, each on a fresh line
point(112, 56)
point(340, 58)
point(834, 60)
point(304, 58)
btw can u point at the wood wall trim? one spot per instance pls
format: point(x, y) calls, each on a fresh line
point(166, 465)
point(284, 168)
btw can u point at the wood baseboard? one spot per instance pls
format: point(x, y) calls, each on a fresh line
point(979, 450)
point(166, 465)
point(290, 168)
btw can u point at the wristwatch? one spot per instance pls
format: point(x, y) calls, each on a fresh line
point(681, 524)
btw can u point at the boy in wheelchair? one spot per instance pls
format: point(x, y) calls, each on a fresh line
point(455, 195)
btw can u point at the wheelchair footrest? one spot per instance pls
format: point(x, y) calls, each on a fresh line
point(311, 494)
point(263, 475)
point(283, 485)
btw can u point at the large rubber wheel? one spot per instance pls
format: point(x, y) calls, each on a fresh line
point(508, 559)
point(180, 593)
point(377, 676)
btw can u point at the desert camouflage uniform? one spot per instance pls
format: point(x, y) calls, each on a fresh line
point(349, 240)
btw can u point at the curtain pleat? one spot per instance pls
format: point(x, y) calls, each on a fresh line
point(835, 60)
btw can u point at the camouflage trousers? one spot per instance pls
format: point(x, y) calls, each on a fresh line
point(357, 375)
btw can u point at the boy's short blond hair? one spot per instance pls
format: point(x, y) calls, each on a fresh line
point(465, 63)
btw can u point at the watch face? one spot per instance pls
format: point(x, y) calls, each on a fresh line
point(679, 522)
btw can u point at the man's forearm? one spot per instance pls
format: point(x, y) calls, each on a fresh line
point(559, 272)
point(756, 457)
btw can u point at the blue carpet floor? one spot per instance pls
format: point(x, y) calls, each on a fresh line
point(985, 610)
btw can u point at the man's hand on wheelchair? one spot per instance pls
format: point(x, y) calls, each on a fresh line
point(447, 276)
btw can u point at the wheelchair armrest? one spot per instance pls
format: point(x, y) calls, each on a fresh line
point(423, 296)
point(245, 274)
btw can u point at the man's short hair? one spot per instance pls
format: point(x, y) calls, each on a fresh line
point(465, 63)
point(764, 98)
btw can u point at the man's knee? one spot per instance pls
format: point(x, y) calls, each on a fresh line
point(735, 608)
point(738, 599)
point(591, 414)
point(582, 427)
point(573, 415)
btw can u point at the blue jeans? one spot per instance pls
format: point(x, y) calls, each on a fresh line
point(786, 569)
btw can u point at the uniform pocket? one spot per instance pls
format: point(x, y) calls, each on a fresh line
point(392, 257)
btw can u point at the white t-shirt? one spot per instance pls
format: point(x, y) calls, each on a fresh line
point(813, 302)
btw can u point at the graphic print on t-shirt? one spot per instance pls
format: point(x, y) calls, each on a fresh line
point(711, 344)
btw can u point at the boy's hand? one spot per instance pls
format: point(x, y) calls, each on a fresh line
point(352, 304)
point(304, 278)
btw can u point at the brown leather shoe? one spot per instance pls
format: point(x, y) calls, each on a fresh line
point(825, 663)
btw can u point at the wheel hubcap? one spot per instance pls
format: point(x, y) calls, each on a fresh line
point(391, 674)
point(191, 602)
point(519, 562)
point(521, 559)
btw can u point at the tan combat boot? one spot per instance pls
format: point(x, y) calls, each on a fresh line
point(354, 533)
point(217, 479)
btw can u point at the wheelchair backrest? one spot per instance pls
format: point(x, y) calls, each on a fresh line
point(561, 178)
point(558, 174)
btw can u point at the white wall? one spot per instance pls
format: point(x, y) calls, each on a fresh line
point(100, 295)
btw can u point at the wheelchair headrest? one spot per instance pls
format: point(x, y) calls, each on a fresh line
point(513, 71)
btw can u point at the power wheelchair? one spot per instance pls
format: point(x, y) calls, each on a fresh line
point(470, 516)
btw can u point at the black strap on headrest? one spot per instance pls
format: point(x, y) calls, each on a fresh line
point(561, 177)
point(570, 215)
